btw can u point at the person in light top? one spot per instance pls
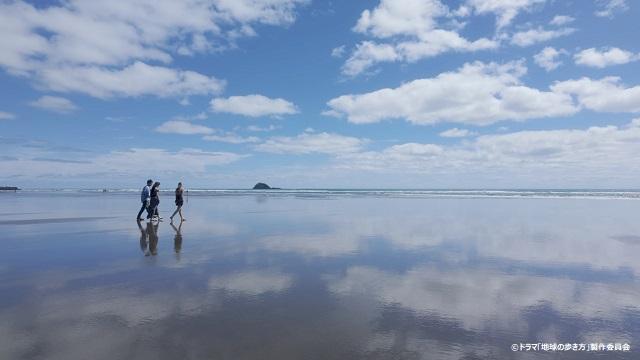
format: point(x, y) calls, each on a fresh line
point(145, 198)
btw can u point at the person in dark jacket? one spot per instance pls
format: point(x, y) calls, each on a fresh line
point(179, 202)
point(155, 201)
point(145, 197)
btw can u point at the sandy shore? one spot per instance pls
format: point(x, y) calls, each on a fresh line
point(273, 277)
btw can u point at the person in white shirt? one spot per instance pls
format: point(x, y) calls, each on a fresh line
point(145, 197)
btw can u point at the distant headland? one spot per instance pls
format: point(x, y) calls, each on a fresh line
point(9, 188)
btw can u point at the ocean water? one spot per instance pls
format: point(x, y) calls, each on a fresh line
point(405, 193)
point(320, 274)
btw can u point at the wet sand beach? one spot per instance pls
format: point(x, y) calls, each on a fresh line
point(320, 276)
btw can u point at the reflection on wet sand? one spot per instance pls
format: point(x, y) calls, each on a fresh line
point(152, 233)
point(148, 238)
point(144, 237)
point(337, 279)
point(177, 239)
point(51, 220)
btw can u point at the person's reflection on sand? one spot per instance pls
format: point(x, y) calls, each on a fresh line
point(177, 240)
point(152, 232)
point(144, 242)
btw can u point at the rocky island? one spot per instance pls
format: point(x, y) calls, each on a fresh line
point(263, 186)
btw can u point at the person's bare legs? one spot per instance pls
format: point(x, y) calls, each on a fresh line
point(178, 210)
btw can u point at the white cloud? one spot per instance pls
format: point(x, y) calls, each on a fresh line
point(607, 8)
point(606, 95)
point(55, 104)
point(534, 36)
point(307, 143)
point(547, 58)
point(253, 106)
point(6, 115)
point(137, 79)
point(412, 31)
point(184, 128)
point(232, 138)
point(199, 116)
point(560, 20)
point(180, 125)
point(272, 12)
point(256, 128)
point(441, 41)
point(604, 57)
point(366, 54)
point(505, 10)
point(574, 154)
point(456, 133)
point(113, 41)
point(477, 94)
point(401, 17)
point(338, 52)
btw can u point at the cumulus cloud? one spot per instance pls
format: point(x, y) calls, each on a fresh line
point(604, 57)
point(477, 94)
point(456, 133)
point(560, 20)
point(183, 128)
point(411, 32)
point(109, 44)
point(608, 8)
point(576, 152)
point(534, 36)
point(55, 104)
point(6, 115)
point(367, 54)
point(137, 79)
point(505, 10)
point(404, 17)
point(547, 58)
point(253, 106)
point(605, 95)
point(307, 143)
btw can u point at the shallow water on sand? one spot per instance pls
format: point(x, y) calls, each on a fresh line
point(272, 277)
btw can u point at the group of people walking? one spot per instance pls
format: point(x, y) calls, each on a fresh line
point(150, 198)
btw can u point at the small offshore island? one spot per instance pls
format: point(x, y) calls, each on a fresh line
point(263, 186)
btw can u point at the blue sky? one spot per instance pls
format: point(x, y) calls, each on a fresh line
point(298, 93)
